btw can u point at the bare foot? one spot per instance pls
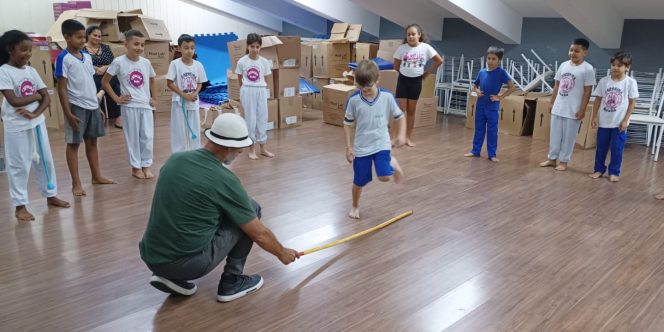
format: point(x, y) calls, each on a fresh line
point(22, 214)
point(103, 180)
point(354, 212)
point(265, 152)
point(548, 163)
point(137, 173)
point(410, 143)
point(253, 156)
point(147, 173)
point(398, 172)
point(614, 178)
point(595, 175)
point(469, 154)
point(77, 189)
point(659, 197)
point(494, 159)
point(55, 201)
point(561, 167)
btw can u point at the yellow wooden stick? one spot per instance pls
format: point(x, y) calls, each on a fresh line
point(356, 235)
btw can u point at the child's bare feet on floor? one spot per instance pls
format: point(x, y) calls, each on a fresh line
point(354, 212)
point(147, 173)
point(548, 163)
point(398, 171)
point(22, 214)
point(561, 167)
point(614, 178)
point(55, 201)
point(266, 153)
point(103, 180)
point(410, 143)
point(494, 159)
point(595, 175)
point(137, 173)
point(252, 154)
point(470, 155)
point(77, 189)
point(659, 197)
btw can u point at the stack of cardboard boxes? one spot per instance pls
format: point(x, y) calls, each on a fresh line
point(284, 100)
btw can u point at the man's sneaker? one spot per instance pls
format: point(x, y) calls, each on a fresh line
point(173, 286)
point(236, 286)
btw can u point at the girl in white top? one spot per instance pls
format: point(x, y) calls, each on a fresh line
point(410, 60)
point(251, 70)
point(185, 78)
point(615, 97)
point(137, 84)
point(26, 138)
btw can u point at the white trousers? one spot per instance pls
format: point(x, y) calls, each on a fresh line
point(254, 103)
point(181, 139)
point(138, 127)
point(563, 137)
point(22, 151)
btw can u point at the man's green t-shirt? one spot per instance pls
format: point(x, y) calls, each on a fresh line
point(194, 194)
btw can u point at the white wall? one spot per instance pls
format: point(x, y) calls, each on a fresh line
point(181, 16)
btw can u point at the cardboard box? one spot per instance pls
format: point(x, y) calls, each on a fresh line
point(388, 80)
point(517, 114)
point(318, 97)
point(289, 52)
point(272, 114)
point(157, 53)
point(338, 31)
point(107, 20)
point(153, 29)
point(290, 112)
point(470, 111)
point(269, 79)
point(308, 101)
point(426, 112)
point(386, 48)
point(164, 95)
point(233, 85)
point(342, 80)
point(118, 49)
point(353, 32)
point(330, 59)
point(55, 118)
point(428, 87)
point(306, 61)
point(237, 49)
point(286, 82)
point(41, 62)
point(363, 51)
point(542, 125)
point(587, 136)
point(335, 97)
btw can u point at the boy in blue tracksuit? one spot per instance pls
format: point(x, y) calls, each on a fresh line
point(487, 86)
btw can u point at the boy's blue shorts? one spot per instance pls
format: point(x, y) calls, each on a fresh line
point(362, 167)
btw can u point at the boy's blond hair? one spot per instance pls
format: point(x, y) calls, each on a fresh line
point(366, 73)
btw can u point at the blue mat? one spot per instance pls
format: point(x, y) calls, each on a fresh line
point(215, 94)
point(212, 52)
point(306, 87)
point(382, 64)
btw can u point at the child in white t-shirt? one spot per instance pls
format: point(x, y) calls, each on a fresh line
point(574, 82)
point(615, 97)
point(251, 70)
point(185, 77)
point(26, 138)
point(137, 83)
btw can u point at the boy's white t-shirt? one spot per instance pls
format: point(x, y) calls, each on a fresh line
point(615, 100)
point(186, 78)
point(573, 78)
point(134, 77)
point(253, 71)
point(371, 119)
point(413, 59)
point(24, 82)
point(81, 88)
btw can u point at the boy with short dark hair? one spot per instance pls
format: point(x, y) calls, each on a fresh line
point(78, 97)
point(370, 110)
point(137, 83)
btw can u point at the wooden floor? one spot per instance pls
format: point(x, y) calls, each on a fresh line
point(506, 247)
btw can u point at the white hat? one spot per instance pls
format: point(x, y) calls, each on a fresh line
point(229, 130)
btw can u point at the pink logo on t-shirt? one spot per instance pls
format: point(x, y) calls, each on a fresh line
point(136, 78)
point(253, 74)
point(613, 99)
point(189, 82)
point(567, 82)
point(26, 88)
